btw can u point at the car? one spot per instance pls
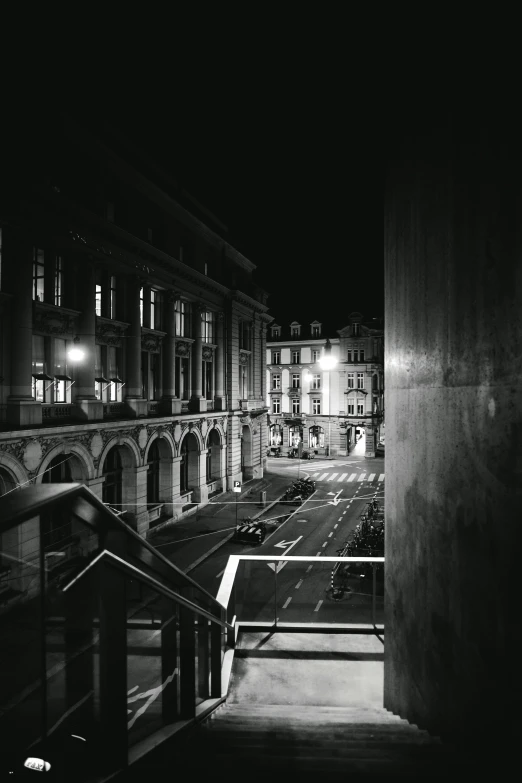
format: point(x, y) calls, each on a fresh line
point(380, 448)
point(308, 454)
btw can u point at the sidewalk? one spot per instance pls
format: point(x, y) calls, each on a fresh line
point(211, 526)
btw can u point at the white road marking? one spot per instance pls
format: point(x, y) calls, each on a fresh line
point(335, 526)
point(309, 568)
point(316, 474)
point(298, 585)
point(331, 478)
point(381, 477)
point(330, 535)
point(325, 544)
point(352, 477)
point(318, 553)
point(323, 476)
point(340, 519)
point(286, 602)
point(371, 477)
point(361, 477)
point(342, 476)
point(318, 605)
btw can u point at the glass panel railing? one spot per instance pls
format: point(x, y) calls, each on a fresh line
point(254, 591)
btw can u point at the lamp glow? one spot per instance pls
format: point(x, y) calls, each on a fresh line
point(76, 354)
point(328, 362)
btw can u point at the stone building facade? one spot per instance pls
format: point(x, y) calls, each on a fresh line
point(326, 410)
point(132, 334)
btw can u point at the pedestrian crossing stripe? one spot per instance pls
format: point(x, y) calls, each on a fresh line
point(343, 477)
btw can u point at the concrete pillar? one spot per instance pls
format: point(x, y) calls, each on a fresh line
point(170, 404)
point(22, 409)
point(200, 494)
point(176, 510)
point(87, 407)
point(197, 402)
point(133, 395)
point(220, 403)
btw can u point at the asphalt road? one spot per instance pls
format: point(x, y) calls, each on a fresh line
point(317, 528)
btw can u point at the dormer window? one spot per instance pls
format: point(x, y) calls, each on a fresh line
point(276, 332)
point(295, 331)
point(316, 331)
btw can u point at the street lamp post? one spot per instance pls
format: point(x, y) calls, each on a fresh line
point(328, 362)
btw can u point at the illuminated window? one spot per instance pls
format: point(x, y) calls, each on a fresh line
point(316, 406)
point(207, 326)
point(315, 356)
point(183, 312)
point(98, 299)
point(141, 306)
point(38, 274)
point(155, 309)
point(58, 280)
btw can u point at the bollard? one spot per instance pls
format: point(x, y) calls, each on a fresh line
point(262, 498)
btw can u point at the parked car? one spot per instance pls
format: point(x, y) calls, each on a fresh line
point(308, 454)
point(380, 448)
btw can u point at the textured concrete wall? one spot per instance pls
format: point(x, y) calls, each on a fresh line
point(453, 318)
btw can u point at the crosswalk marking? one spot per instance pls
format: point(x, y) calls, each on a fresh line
point(352, 477)
point(338, 477)
point(342, 476)
point(361, 477)
point(316, 474)
point(331, 478)
point(371, 477)
point(381, 477)
point(323, 476)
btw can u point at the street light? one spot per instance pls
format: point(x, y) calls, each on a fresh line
point(328, 362)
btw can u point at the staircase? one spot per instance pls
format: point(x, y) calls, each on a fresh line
point(301, 706)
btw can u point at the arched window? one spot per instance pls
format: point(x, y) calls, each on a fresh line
point(316, 437)
point(6, 482)
point(153, 473)
point(113, 472)
point(58, 470)
point(295, 435)
point(213, 456)
point(276, 435)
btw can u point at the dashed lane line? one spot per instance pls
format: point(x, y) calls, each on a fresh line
point(286, 602)
point(318, 605)
point(325, 544)
point(335, 526)
point(330, 535)
point(298, 585)
point(318, 553)
point(340, 519)
point(309, 568)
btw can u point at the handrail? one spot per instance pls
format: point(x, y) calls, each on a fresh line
point(123, 565)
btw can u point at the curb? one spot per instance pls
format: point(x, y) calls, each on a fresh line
point(227, 538)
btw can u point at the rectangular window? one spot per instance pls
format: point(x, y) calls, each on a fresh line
point(113, 374)
point(113, 297)
point(154, 300)
point(276, 406)
point(243, 381)
point(360, 407)
point(182, 378)
point(349, 356)
point(183, 313)
point(351, 408)
point(360, 380)
point(356, 356)
point(41, 380)
point(361, 356)
point(100, 380)
point(275, 334)
point(244, 335)
point(38, 274)
point(276, 381)
point(207, 375)
point(295, 331)
point(295, 357)
point(296, 381)
point(276, 357)
point(98, 299)
point(141, 305)
point(315, 356)
point(296, 405)
point(155, 378)
point(58, 281)
point(316, 332)
point(316, 382)
point(351, 380)
point(61, 379)
point(316, 406)
point(207, 324)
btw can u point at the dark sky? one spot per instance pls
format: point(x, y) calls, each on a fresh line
point(294, 180)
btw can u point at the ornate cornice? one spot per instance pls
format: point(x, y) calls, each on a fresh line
point(183, 347)
point(151, 339)
point(51, 320)
point(110, 332)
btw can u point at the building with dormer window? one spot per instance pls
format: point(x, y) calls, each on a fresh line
point(327, 410)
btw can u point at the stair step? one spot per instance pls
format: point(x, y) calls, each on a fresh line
point(359, 741)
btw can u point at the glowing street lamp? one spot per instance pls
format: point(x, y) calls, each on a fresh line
point(328, 362)
point(76, 354)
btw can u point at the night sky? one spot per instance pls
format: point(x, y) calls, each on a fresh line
point(298, 185)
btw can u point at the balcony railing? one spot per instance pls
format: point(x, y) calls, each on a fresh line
point(57, 411)
point(294, 390)
point(107, 601)
point(114, 409)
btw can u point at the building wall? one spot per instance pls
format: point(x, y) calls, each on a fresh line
point(454, 411)
point(63, 215)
